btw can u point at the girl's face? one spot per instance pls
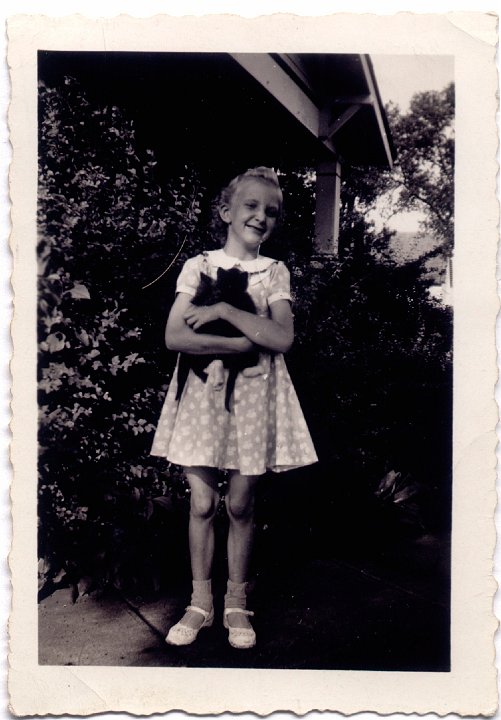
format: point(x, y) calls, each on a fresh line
point(252, 214)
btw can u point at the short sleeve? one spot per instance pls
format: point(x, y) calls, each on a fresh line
point(280, 283)
point(189, 277)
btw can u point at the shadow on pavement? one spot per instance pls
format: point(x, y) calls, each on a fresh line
point(327, 614)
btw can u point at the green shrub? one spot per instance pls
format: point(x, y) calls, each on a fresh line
point(105, 230)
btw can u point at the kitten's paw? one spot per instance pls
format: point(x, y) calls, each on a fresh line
point(216, 375)
point(218, 385)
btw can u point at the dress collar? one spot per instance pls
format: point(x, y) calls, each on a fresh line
point(220, 259)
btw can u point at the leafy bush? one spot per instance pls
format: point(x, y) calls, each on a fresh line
point(371, 360)
point(105, 230)
point(372, 364)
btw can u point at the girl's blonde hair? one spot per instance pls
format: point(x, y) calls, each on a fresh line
point(261, 172)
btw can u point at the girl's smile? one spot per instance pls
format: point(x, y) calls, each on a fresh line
point(251, 217)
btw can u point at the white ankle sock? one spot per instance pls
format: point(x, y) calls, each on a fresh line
point(202, 594)
point(236, 595)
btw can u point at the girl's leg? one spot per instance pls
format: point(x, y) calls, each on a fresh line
point(240, 507)
point(203, 506)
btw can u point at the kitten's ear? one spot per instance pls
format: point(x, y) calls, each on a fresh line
point(221, 273)
point(243, 279)
point(205, 280)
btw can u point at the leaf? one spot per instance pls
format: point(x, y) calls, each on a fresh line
point(55, 342)
point(43, 567)
point(388, 483)
point(84, 338)
point(164, 502)
point(405, 494)
point(42, 264)
point(84, 586)
point(59, 577)
point(79, 292)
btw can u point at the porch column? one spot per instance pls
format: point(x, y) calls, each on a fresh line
point(328, 198)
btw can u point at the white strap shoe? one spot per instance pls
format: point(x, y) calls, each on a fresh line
point(238, 637)
point(181, 634)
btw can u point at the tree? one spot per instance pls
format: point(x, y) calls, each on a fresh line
point(423, 177)
point(361, 190)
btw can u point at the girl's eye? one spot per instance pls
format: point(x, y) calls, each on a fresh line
point(250, 205)
point(272, 212)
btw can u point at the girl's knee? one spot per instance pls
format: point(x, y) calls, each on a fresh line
point(204, 493)
point(203, 505)
point(240, 507)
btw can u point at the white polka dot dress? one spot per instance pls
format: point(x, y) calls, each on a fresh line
point(265, 428)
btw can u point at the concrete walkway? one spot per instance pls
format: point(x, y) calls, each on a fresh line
point(327, 615)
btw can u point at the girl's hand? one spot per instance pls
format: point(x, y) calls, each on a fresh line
point(196, 317)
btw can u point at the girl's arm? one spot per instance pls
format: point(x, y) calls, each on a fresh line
point(275, 333)
point(180, 337)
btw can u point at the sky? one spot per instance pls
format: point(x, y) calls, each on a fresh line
point(400, 76)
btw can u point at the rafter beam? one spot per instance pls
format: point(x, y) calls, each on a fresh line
point(293, 66)
point(354, 100)
point(330, 129)
point(285, 90)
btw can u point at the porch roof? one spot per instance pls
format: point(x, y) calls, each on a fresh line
point(236, 109)
point(334, 96)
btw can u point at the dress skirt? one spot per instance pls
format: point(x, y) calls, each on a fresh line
point(264, 430)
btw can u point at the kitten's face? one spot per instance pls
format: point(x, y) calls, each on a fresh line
point(233, 278)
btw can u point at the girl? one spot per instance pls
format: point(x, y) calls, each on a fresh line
point(264, 429)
